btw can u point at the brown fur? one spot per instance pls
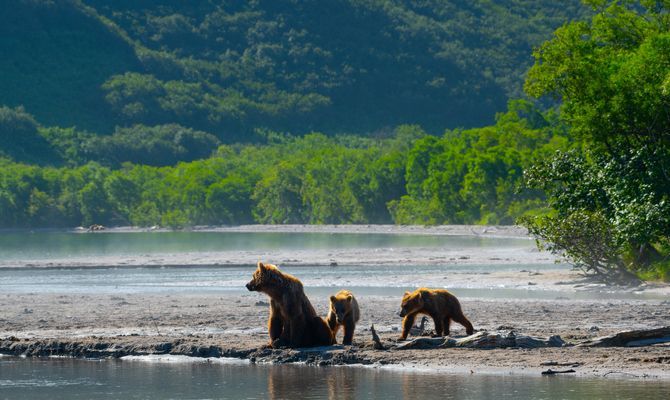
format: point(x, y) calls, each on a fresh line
point(439, 304)
point(293, 321)
point(344, 312)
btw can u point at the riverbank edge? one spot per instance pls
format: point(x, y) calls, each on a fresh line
point(510, 231)
point(584, 361)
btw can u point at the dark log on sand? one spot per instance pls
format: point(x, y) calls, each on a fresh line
point(646, 337)
point(552, 372)
point(484, 340)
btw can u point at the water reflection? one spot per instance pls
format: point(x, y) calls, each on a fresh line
point(107, 379)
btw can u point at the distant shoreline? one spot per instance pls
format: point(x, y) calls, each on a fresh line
point(508, 231)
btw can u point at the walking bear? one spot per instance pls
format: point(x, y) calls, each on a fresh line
point(439, 304)
point(293, 321)
point(344, 312)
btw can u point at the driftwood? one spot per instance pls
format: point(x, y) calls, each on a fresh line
point(552, 372)
point(560, 364)
point(419, 330)
point(484, 340)
point(377, 344)
point(503, 339)
point(637, 338)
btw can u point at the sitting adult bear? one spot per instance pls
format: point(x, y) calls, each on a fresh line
point(439, 304)
point(293, 321)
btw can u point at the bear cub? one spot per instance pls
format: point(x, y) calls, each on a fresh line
point(293, 321)
point(439, 304)
point(344, 312)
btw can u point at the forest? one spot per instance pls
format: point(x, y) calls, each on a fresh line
point(233, 67)
point(554, 116)
point(132, 177)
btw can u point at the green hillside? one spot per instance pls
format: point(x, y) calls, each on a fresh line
point(55, 57)
point(230, 67)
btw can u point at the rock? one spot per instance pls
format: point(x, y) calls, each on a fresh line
point(637, 338)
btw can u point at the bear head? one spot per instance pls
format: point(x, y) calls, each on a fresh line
point(340, 305)
point(266, 277)
point(411, 303)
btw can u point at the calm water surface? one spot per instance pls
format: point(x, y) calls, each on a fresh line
point(464, 280)
point(319, 280)
point(44, 245)
point(114, 379)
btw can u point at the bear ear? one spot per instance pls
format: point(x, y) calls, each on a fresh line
point(332, 299)
point(407, 293)
point(423, 295)
point(349, 298)
point(261, 265)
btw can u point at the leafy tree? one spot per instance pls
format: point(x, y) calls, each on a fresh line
point(612, 75)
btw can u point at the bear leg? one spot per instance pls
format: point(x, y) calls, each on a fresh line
point(297, 331)
point(439, 326)
point(407, 324)
point(447, 323)
point(349, 327)
point(318, 333)
point(275, 327)
point(333, 325)
point(466, 323)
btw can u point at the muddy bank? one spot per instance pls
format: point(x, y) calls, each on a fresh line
point(650, 362)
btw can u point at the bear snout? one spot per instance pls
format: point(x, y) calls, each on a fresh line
point(401, 313)
point(250, 287)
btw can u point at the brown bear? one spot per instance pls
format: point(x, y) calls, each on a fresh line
point(293, 321)
point(439, 304)
point(344, 312)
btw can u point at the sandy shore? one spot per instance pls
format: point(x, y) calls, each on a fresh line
point(233, 325)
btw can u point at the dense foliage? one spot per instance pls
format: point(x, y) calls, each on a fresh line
point(610, 196)
point(467, 176)
point(231, 67)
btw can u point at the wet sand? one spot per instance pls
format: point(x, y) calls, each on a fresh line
point(233, 325)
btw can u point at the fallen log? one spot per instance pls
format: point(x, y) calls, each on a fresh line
point(552, 372)
point(638, 338)
point(484, 340)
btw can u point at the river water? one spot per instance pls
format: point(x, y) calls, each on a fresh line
point(464, 279)
point(59, 244)
point(179, 379)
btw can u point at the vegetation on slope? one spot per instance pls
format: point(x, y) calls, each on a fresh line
point(470, 176)
point(232, 67)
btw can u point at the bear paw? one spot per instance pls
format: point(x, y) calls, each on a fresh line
point(280, 343)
